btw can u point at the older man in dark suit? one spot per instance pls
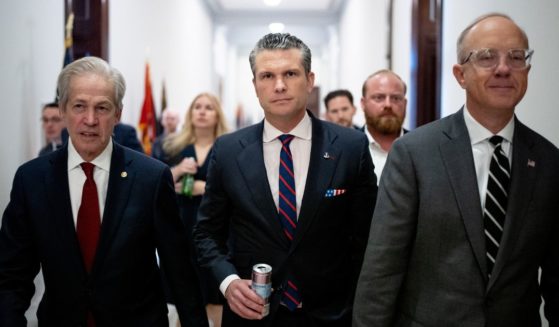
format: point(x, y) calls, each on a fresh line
point(293, 192)
point(92, 216)
point(467, 210)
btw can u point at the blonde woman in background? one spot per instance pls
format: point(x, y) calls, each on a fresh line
point(187, 152)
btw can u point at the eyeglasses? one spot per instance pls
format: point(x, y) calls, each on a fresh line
point(54, 120)
point(490, 58)
point(395, 98)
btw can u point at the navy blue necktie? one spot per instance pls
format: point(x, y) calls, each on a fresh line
point(288, 212)
point(496, 201)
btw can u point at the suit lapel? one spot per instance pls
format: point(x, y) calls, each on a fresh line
point(458, 161)
point(319, 175)
point(251, 164)
point(118, 193)
point(523, 177)
point(58, 196)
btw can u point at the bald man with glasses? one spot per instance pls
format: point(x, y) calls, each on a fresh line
point(467, 211)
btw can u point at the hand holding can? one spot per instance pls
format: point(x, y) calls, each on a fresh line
point(262, 284)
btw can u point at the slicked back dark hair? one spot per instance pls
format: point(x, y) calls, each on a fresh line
point(281, 41)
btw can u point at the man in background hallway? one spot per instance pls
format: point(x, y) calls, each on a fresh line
point(170, 119)
point(384, 105)
point(339, 108)
point(52, 126)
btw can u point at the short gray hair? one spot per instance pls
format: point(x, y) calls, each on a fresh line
point(460, 54)
point(90, 65)
point(283, 41)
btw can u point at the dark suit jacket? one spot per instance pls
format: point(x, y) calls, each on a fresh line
point(124, 286)
point(326, 252)
point(123, 134)
point(48, 149)
point(425, 263)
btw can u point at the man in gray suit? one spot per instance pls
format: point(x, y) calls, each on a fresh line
point(439, 254)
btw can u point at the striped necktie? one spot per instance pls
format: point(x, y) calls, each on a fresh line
point(496, 201)
point(287, 212)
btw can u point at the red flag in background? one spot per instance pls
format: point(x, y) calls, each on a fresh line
point(148, 121)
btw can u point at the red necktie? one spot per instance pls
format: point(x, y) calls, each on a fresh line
point(89, 218)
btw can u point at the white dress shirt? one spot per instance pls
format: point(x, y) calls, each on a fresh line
point(76, 177)
point(377, 153)
point(300, 148)
point(482, 149)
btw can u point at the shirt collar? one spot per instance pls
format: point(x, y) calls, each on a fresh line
point(103, 160)
point(479, 133)
point(303, 130)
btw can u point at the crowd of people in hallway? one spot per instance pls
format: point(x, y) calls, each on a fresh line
point(449, 224)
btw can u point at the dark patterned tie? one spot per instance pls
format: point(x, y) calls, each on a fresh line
point(288, 212)
point(89, 218)
point(496, 201)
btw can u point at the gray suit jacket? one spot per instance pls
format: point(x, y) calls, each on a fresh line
point(425, 261)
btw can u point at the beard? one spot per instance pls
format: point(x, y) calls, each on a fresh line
point(387, 124)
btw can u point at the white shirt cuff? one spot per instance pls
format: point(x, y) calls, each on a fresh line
point(225, 283)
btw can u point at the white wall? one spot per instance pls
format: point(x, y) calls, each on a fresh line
point(539, 19)
point(363, 41)
point(401, 49)
point(176, 37)
point(31, 34)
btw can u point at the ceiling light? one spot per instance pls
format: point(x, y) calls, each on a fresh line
point(276, 27)
point(271, 3)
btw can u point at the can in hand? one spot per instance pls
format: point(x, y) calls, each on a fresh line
point(262, 284)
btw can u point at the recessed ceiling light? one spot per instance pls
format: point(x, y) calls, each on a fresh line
point(271, 3)
point(276, 27)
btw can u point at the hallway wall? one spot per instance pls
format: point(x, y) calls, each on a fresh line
point(181, 51)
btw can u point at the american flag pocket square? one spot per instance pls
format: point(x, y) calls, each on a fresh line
point(334, 192)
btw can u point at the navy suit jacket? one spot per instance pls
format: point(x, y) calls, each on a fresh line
point(326, 252)
point(124, 286)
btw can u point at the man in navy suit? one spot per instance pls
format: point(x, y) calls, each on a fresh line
point(94, 232)
point(454, 242)
point(241, 220)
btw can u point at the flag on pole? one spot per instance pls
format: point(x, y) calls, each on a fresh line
point(163, 107)
point(147, 122)
point(68, 41)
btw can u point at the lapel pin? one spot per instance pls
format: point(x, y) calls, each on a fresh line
point(123, 174)
point(531, 163)
point(327, 156)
